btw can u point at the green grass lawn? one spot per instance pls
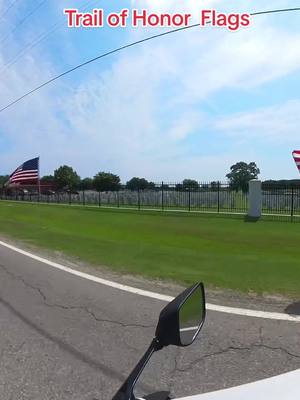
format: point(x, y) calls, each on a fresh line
point(223, 252)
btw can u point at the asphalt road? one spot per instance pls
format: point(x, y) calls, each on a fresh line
point(64, 337)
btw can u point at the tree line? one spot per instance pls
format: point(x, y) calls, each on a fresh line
point(66, 178)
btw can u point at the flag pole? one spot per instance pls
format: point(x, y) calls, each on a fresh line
point(39, 178)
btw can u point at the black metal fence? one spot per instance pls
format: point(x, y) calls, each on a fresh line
point(281, 200)
point(210, 197)
point(214, 197)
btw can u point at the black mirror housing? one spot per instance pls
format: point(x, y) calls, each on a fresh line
point(171, 329)
point(168, 327)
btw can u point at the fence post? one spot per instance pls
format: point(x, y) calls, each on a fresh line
point(255, 199)
point(139, 199)
point(118, 198)
point(99, 199)
point(162, 196)
point(189, 199)
point(292, 204)
point(83, 197)
point(218, 196)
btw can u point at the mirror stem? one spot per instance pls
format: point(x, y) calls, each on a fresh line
point(126, 390)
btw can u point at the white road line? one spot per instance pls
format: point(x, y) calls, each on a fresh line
point(153, 295)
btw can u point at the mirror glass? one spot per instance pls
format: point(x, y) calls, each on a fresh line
point(191, 316)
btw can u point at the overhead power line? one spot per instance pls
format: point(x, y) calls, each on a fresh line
point(39, 39)
point(8, 9)
point(23, 20)
point(55, 78)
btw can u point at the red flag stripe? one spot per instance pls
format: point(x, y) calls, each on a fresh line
point(27, 172)
point(296, 156)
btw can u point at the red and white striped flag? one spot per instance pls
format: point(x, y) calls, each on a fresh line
point(296, 155)
point(28, 172)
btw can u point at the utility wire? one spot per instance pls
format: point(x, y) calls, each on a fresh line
point(7, 9)
point(24, 19)
point(39, 39)
point(55, 78)
point(30, 46)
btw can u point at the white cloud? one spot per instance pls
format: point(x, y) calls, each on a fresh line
point(185, 125)
point(277, 124)
point(240, 61)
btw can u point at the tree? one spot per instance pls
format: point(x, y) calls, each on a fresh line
point(190, 184)
point(47, 179)
point(187, 185)
point(137, 183)
point(66, 178)
point(86, 184)
point(281, 184)
point(105, 182)
point(214, 186)
point(151, 185)
point(3, 180)
point(241, 173)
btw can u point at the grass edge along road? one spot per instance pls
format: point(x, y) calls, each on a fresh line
point(260, 257)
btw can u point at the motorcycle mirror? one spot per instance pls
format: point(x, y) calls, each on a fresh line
point(179, 324)
point(182, 319)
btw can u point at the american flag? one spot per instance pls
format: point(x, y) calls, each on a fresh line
point(296, 155)
point(26, 173)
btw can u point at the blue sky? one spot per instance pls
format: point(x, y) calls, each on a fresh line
point(188, 105)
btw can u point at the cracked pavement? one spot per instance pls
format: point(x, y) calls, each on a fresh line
point(63, 337)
